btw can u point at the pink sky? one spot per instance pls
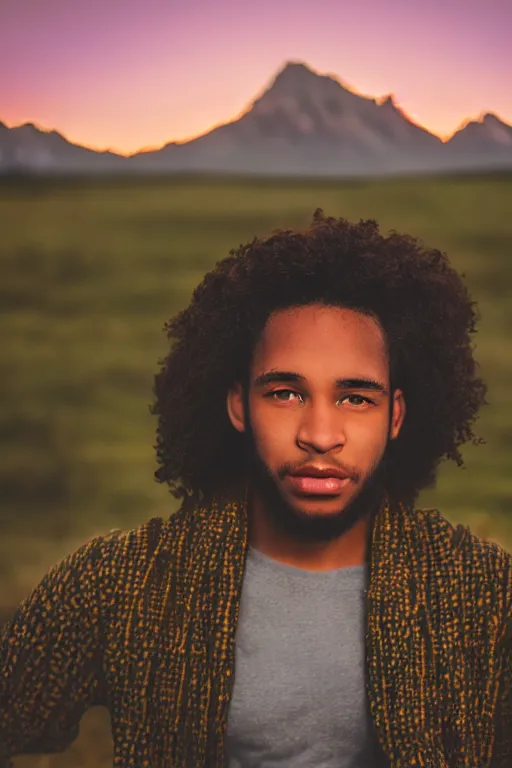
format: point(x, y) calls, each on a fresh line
point(128, 74)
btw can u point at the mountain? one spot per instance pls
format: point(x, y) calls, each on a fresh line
point(302, 123)
point(488, 136)
point(27, 149)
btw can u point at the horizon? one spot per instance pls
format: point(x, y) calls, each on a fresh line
point(125, 80)
point(48, 129)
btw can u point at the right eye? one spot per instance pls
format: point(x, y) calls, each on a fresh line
point(283, 395)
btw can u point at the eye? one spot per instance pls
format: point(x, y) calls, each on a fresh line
point(283, 395)
point(360, 400)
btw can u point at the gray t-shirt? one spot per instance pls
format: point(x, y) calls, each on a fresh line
point(299, 691)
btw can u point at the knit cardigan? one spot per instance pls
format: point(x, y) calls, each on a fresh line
point(144, 622)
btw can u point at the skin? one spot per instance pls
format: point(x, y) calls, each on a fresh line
point(323, 415)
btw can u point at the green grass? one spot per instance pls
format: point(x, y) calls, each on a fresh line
point(91, 270)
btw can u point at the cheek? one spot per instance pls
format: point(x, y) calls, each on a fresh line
point(271, 432)
point(369, 430)
point(367, 436)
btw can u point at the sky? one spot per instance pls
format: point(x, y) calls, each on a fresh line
point(131, 74)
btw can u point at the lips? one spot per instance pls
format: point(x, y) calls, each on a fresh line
point(318, 481)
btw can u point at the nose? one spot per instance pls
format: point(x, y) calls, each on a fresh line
point(321, 429)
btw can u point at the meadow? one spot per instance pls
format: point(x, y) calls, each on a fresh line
point(90, 270)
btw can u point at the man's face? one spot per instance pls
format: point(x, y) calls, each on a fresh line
point(320, 416)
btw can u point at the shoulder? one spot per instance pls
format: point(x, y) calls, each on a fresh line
point(472, 553)
point(460, 537)
point(124, 548)
point(145, 551)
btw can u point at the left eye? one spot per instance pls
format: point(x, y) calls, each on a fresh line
point(362, 400)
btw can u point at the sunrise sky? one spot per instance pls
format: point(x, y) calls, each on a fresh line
point(128, 74)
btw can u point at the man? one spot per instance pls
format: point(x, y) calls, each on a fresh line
point(297, 610)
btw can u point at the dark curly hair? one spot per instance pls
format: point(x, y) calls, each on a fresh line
point(420, 301)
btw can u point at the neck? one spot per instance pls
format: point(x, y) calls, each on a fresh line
point(346, 550)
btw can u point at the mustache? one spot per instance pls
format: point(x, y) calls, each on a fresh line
point(296, 467)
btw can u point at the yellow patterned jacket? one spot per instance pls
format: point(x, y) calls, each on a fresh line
point(144, 622)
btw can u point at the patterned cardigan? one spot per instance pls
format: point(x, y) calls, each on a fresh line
point(144, 622)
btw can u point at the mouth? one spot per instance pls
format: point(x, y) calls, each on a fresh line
point(318, 481)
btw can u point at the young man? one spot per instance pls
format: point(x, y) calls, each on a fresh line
point(298, 610)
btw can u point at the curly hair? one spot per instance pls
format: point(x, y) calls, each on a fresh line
point(422, 305)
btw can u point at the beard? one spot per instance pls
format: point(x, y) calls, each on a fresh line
point(313, 527)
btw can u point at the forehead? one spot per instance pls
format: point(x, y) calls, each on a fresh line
point(317, 340)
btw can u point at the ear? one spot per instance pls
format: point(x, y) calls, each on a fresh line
point(397, 413)
point(235, 407)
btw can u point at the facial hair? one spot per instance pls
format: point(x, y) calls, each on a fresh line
point(302, 526)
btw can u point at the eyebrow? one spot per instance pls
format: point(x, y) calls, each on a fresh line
point(291, 377)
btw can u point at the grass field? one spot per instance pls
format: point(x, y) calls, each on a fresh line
point(89, 273)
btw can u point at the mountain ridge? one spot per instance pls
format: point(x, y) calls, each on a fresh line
point(300, 123)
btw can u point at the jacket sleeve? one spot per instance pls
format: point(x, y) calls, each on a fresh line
point(51, 658)
point(502, 753)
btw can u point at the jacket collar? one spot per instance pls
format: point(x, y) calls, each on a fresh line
point(417, 668)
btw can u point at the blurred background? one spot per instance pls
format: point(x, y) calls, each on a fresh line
point(139, 144)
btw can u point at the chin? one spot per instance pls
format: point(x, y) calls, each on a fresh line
point(318, 506)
